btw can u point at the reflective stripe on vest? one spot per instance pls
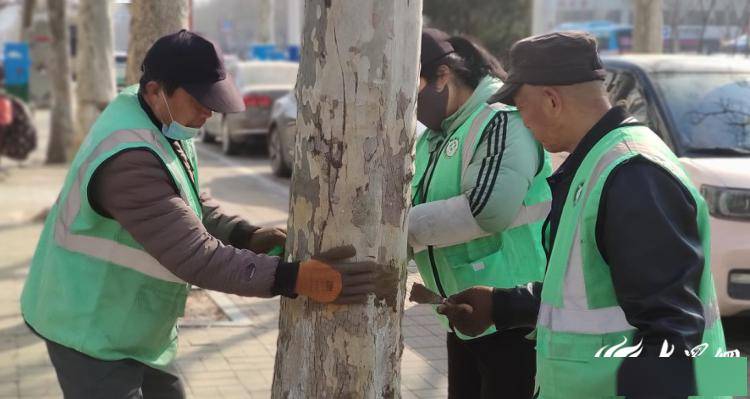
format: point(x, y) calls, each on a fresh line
point(601, 321)
point(531, 214)
point(101, 248)
point(575, 316)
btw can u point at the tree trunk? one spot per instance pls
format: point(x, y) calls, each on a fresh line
point(149, 21)
point(27, 16)
point(704, 23)
point(647, 29)
point(674, 24)
point(62, 126)
point(265, 22)
point(356, 89)
point(95, 63)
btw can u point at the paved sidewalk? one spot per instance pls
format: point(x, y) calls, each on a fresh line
point(215, 362)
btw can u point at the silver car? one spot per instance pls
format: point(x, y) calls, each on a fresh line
point(260, 83)
point(282, 133)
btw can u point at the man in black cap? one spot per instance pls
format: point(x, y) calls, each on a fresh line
point(626, 240)
point(131, 231)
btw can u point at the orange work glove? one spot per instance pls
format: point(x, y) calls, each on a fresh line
point(328, 277)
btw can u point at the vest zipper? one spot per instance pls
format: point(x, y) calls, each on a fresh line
point(435, 274)
point(432, 164)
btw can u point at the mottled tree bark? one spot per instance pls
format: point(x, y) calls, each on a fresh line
point(356, 93)
point(647, 27)
point(95, 64)
point(149, 21)
point(62, 125)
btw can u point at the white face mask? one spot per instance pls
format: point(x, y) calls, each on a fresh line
point(174, 130)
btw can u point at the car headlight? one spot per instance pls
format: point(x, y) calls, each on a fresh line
point(731, 203)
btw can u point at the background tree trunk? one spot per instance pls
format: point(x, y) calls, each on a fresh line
point(149, 21)
point(95, 63)
point(62, 126)
point(674, 23)
point(27, 16)
point(706, 11)
point(356, 89)
point(265, 21)
point(647, 29)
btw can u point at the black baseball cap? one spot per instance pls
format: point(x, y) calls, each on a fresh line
point(435, 46)
point(196, 64)
point(552, 59)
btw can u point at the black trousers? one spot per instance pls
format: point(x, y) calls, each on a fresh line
point(501, 365)
point(83, 377)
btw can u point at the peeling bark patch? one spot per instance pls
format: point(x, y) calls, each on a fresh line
point(395, 183)
point(361, 215)
point(370, 147)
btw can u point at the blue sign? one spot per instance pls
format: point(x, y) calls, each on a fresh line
point(17, 63)
point(261, 52)
point(293, 51)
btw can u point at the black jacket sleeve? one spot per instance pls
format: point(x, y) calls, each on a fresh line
point(647, 232)
point(516, 307)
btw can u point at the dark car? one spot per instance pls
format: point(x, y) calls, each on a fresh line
point(700, 106)
point(260, 83)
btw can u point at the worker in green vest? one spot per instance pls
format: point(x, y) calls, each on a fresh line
point(627, 240)
point(131, 231)
point(479, 200)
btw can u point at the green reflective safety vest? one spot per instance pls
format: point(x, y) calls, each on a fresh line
point(91, 286)
point(579, 313)
point(506, 259)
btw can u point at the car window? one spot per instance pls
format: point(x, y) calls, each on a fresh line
point(624, 89)
point(711, 110)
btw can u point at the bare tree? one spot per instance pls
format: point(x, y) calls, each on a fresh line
point(62, 126)
point(707, 10)
point(745, 18)
point(27, 16)
point(149, 21)
point(675, 20)
point(356, 89)
point(647, 30)
point(265, 21)
point(95, 63)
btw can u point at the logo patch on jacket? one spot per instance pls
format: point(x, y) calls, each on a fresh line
point(451, 147)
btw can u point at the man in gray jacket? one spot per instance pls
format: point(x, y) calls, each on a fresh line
point(131, 230)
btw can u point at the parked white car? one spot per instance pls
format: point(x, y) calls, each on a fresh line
point(700, 106)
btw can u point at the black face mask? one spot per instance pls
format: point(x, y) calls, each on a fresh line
point(431, 105)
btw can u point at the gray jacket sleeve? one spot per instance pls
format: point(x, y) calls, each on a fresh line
point(493, 187)
point(134, 188)
point(230, 229)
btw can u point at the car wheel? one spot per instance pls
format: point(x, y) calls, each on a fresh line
point(228, 146)
point(279, 165)
point(205, 137)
